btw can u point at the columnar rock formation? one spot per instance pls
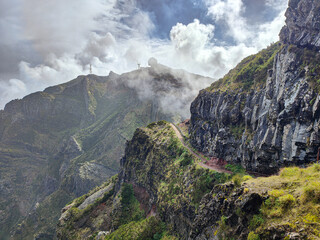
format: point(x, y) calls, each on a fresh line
point(265, 118)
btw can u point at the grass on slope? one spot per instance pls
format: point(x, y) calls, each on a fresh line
point(293, 203)
point(249, 73)
point(309, 61)
point(149, 229)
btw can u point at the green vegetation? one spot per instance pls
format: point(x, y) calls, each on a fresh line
point(149, 229)
point(250, 73)
point(185, 159)
point(239, 174)
point(235, 168)
point(253, 236)
point(309, 62)
point(174, 193)
point(256, 221)
point(293, 201)
point(130, 207)
point(87, 216)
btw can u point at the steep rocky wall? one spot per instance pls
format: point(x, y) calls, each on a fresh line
point(262, 129)
point(303, 23)
point(265, 116)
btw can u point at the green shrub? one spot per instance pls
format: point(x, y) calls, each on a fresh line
point(235, 169)
point(203, 185)
point(316, 167)
point(253, 236)
point(237, 180)
point(145, 229)
point(290, 172)
point(130, 206)
point(186, 159)
point(246, 178)
point(311, 192)
point(256, 221)
point(287, 201)
point(276, 193)
point(162, 123)
point(152, 125)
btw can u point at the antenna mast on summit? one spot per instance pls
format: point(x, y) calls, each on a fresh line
point(139, 65)
point(90, 69)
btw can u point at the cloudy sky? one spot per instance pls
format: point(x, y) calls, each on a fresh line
point(47, 42)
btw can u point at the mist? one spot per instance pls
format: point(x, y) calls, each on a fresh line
point(172, 90)
point(47, 43)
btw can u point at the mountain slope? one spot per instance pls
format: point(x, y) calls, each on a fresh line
point(160, 176)
point(162, 192)
point(58, 144)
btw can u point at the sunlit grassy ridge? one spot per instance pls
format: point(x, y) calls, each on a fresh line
point(250, 73)
point(293, 203)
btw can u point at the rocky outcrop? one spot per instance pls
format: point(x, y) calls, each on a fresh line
point(266, 119)
point(163, 186)
point(227, 202)
point(303, 24)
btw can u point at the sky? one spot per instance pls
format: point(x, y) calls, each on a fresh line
point(46, 42)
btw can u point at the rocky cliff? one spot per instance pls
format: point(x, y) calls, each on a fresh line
point(302, 24)
point(264, 114)
point(58, 144)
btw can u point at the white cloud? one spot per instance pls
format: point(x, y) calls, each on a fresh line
point(12, 89)
point(192, 37)
point(244, 30)
point(194, 48)
point(230, 12)
point(268, 32)
point(61, 26)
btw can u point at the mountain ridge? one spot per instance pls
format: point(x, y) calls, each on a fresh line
point(60, 143)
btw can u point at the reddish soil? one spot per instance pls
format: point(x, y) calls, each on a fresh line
point(204, 162)
point(143, 197)
point(215, 164)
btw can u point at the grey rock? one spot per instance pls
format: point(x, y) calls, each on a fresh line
point(302, 24)
point(278, 123)
point(92, 198)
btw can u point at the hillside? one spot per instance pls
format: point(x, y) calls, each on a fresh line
point(58, 144)
point(162, 192)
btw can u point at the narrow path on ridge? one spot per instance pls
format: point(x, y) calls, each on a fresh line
point(203, 160)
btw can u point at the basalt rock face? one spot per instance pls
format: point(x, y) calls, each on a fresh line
point(58, 144)
point(262, 129)
point(303, 23)
point(264, 114)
